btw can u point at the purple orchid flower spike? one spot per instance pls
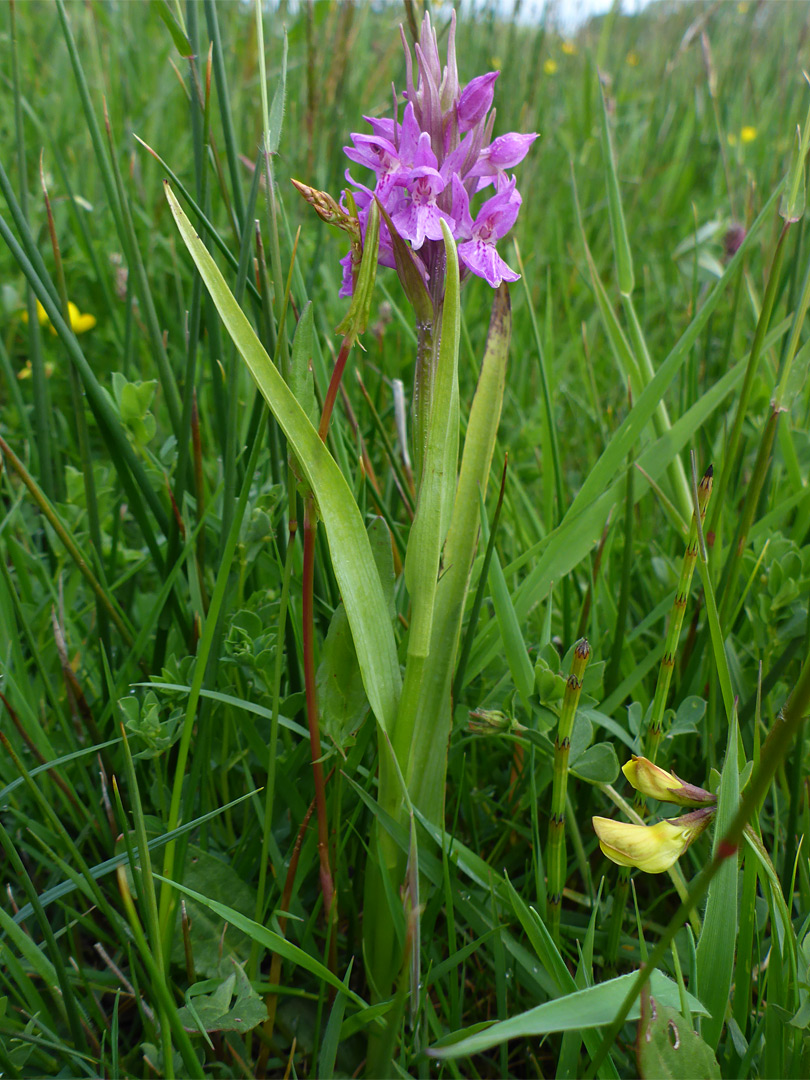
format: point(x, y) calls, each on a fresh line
point(431, 164)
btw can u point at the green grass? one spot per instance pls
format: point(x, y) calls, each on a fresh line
point(152, 662)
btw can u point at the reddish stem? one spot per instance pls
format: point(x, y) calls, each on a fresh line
point(334, 383)
point(308, 643)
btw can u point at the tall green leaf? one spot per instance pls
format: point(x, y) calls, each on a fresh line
point(349, 547)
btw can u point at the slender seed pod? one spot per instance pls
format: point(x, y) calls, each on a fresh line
point(556, 860)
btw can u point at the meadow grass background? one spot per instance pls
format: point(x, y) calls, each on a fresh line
point(118, 478)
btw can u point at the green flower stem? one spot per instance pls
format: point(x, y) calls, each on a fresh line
point(423, 723)
point(655, 727)
point(555, 859)
point(426, 355)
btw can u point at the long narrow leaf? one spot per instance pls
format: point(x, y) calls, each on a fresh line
point(352, 559)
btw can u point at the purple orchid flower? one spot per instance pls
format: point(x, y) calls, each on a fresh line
point(428, 167)
point(495, 218)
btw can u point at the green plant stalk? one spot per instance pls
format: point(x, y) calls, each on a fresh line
point(661, 419)
point(67, 540)
point(653, 733)
point(425, 700)
point(774, 752)
point(157, 977)
point(780, 403)
point(225, 114)
point(132, 247)
point(469, 634)
point(81, 427)
point(733, 442)
point(98, 399)
point(270, 789)
point(435, 481)
point(66, 992)
point(551, 430)
point(203, 654)
point(555, 857)
point(146, 893)
point(652, 739)
point(308, 649)
point(613, 672)
point(42, 408)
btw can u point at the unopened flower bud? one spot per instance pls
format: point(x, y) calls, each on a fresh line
point(329, 210)
point(657, 783)
point(476, 100)
point(488, 721)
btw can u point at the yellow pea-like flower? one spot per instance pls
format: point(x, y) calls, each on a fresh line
point(656, 783)
point(80, 322)
point(652, 848)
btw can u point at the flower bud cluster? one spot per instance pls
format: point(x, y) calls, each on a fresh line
point(430, 165)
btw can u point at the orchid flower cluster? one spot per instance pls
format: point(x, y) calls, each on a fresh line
point(430, 165)
point(656, 848)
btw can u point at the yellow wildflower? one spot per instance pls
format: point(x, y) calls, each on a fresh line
point(742, 7)
point(748, 134)
point(26, 371)
point(569, 48)
point(550, 67)
point(79, 323)
point(657, 783)
point(632, 58)
point(653, 848)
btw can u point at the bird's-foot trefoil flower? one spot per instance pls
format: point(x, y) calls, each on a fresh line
point(656, 783)
point(80, 322)
point(652, 848)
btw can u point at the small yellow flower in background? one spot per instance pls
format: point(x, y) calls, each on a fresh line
point(496, 63)
point(26, 371)
point(79, 323)
point(748, 134)
point(569, 48)
point(632, 58)
point(652, 848)
point(550, 67)
point(742, 7)
point(731, 139)
point(656, 783)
